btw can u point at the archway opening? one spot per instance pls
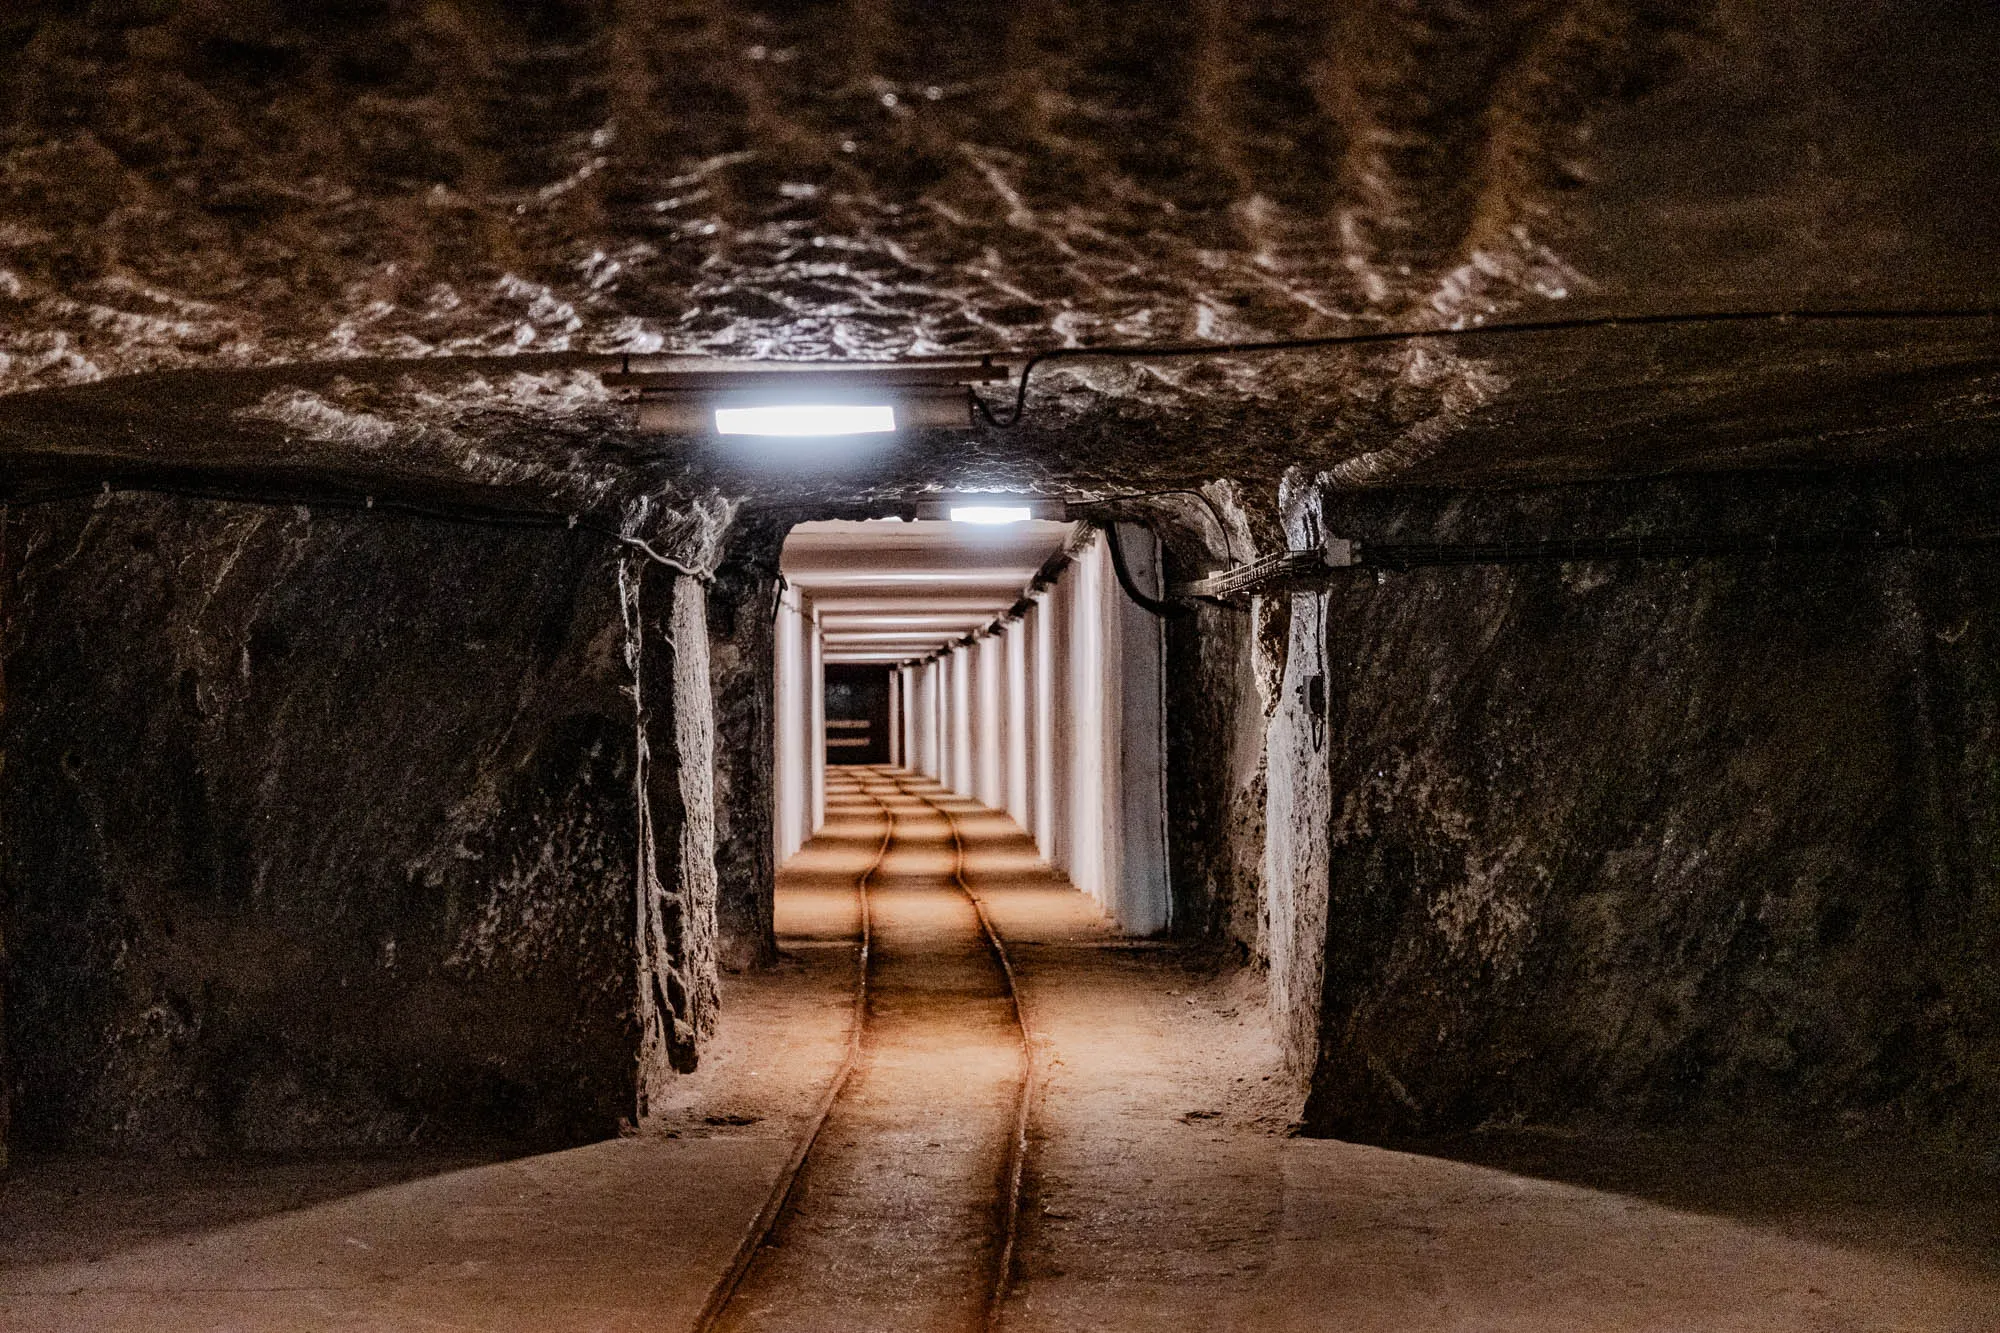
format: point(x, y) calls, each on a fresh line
point(1002, 662)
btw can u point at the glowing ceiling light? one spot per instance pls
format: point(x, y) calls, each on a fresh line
point(806, 419)
point(801, 399)
point(991, 507)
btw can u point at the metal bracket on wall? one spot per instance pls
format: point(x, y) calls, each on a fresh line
point(1335, 554)
point(1285, 567)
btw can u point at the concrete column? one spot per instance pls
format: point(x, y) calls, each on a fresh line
point(816, 745)
point(906, 727)
point(1015, 648)
point(961, 721)
point(6, 1102)
point(896, 718)
point(971, 665)
point(945, 768)
point(1108, 761)
point(1141, 899)
point(1060, 624)
point(990, 740)
point(927, 719)
point(1041, 689)
point(941, 718)
point(1093, 694)
point(906, 730)
point(920, 708)
point(791, 715)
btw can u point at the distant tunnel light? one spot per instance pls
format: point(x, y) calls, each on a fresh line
point(991, 513)
point(807, 419)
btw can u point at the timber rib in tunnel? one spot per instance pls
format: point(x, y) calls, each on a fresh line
point(1423, 575)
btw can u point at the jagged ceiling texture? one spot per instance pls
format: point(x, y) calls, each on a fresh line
point(383, 238)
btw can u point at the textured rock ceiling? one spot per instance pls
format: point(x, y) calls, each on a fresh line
point(380, 242)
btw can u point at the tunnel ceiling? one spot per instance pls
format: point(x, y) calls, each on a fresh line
point(380, 243)
point(888, 591)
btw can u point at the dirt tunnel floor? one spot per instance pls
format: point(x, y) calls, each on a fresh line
point(1163, 1190)
point(899, 1210)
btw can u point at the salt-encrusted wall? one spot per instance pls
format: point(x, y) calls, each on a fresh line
point(1653, 842)
point(325, 829)
point(742, 623)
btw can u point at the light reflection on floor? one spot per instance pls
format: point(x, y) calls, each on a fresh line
point(1166, 1194)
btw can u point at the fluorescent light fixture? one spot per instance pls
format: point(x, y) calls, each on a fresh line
point(992, 507)
point(942, 634)
point(801, 399)
point(833, 620)
point(991, 513)
point(806, 419)
point(930, 577)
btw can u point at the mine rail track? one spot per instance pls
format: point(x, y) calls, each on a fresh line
point(782, 1192)
point(1007, 1224)
point(1007, 1209)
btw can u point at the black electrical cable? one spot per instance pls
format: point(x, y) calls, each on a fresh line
point(1175, 351)
point(1403, 556)
point(1140, 599)
point(365, 504)
point(484, 517)
point(1228, 546)
point(1309, 566)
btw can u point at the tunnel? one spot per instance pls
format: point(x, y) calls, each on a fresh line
point(1055, 666)
point(1001, 660)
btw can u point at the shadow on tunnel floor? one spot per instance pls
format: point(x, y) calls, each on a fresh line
point(77, 1208)
point(1889, 1197)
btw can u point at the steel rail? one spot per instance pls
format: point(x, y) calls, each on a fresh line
point(1015, 1167)
point(786, 1187)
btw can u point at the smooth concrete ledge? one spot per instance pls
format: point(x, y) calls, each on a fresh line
point(1378, 1241)
point(629, 1234)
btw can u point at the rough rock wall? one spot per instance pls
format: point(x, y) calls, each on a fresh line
point(674, 921)
point(1298, 807)
point(6, 1102)
point(1215, 724)
point(320, 830)
point(1203, 684)
point(742, 614)
point(1671, 841)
